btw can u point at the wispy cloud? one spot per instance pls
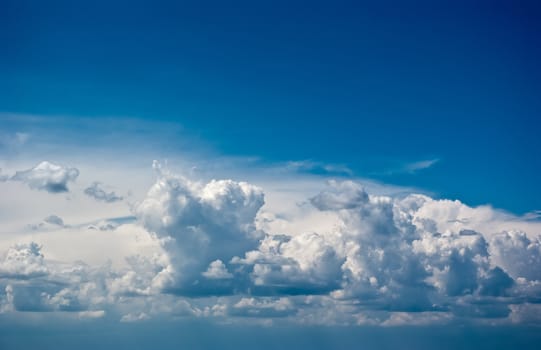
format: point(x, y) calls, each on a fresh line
point(420, 165)
point(318, 168)
point(408, 167)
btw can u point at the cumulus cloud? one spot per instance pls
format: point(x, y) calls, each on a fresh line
point(217, 270)
point(401, 255)
point(97, 192)
point(199, 223)
point(48, 177)
point(385, 260)
point(398, 255)
point(23, 261)
point(517, 254)
point(303, 264)
point(30, 284)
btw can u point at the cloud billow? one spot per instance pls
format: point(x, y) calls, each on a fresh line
point(23, 261)
point(385, 254)
point(47, 176)
point(387, 261)
point(199, 224)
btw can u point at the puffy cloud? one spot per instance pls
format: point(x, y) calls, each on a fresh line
point(387, 260)
point(401, 255)
point(217, 270)
point(517, 254)
point(48, 177)
point(142, 276)
point(55, 286)
point(303, 264)
point(23, 261)
point(197, 224)
point(48, 296)
point(406, 254)
point(97, 192)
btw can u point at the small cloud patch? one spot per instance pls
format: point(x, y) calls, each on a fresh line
point(98, 193)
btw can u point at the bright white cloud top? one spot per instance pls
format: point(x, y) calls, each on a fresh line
point(288, 250)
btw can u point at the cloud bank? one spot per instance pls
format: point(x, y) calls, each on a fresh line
point(386, 261)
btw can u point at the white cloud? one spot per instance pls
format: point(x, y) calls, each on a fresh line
point(214, 249)
point(217, 270)
point(23, 261)
point(405, 255)
point(48, 177)
point(517, 254)
point(420, 165)
point(197, 224)
point(303, 264)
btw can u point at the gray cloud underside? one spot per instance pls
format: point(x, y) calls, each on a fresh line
point(97, 192)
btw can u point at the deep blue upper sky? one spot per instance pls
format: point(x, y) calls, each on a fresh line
point(374, 87)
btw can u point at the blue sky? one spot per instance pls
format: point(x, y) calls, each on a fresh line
point(371, 86)
point(286, 174)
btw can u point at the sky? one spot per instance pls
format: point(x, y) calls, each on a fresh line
point(270, 170)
